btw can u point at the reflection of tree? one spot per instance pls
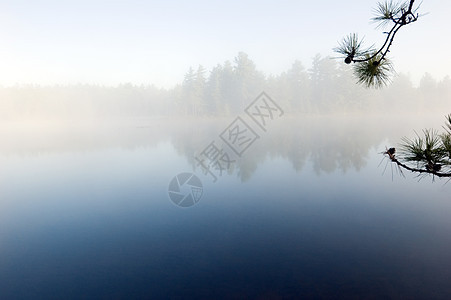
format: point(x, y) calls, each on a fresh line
point(327, 143)
point(321, 144)
point(335, 152)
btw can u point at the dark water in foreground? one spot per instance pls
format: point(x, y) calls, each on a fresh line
point(307, 212)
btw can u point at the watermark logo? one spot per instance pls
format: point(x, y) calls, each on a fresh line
point(234, 140)
point(185, 189)
point(239, 136)
point(263, 110)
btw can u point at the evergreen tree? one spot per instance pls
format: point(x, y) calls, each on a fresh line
point(227, 87)
point(199, 91)
point(213, 91)
point(187, 96)
point(323, 77)
point(248, 81)
point(299, 87)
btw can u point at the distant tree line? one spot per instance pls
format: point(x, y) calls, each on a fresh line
point(226, 89)
point(325, 87)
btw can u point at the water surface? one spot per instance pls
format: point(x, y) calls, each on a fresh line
point(307, 211)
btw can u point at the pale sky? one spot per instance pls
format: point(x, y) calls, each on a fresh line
point(155, 42)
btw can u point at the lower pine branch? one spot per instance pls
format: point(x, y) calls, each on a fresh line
point(392, 157)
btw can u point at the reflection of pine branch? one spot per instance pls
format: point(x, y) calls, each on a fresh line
point(430, 154)
point(374, 69)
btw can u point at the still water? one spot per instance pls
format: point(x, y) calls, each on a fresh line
point(308, 210)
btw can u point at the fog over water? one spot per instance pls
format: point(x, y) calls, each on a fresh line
point(310, 209)
point(202, 150)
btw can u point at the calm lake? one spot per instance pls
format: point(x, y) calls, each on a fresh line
point(309, 209)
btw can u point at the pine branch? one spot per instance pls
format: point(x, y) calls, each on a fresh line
point(431, 152)
point(391, 154)
point(400, 15)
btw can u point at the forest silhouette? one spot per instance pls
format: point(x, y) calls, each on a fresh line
point(326, 87)
point(329, 120)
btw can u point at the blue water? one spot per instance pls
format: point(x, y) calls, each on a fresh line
point(97, 222)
